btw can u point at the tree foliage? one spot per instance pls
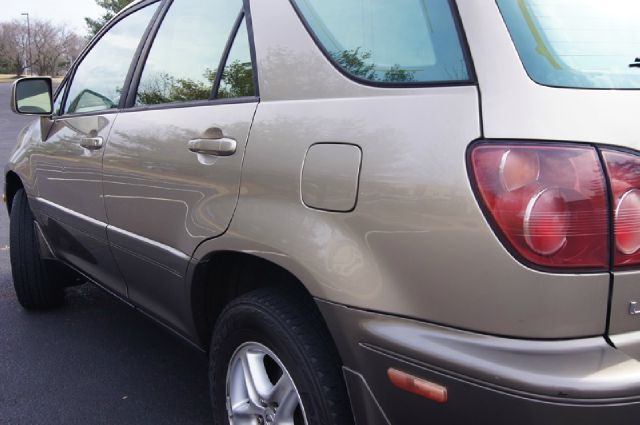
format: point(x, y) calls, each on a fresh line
point(358, 63)
point(52, 49)
point(111, 8)
point(165, 88)
point(236, 81)
point(13, 47)
point(398, 75)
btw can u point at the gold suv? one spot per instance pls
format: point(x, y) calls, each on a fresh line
point(364, 211)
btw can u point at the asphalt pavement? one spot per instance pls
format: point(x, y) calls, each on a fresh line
point(94, 361)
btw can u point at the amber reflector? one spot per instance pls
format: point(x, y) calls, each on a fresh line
point(418, 386)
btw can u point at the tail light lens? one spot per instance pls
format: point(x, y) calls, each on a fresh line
point(548, 203)
point(624, 173)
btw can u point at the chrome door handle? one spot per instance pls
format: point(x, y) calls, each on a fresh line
point(92, 143)
point(215, 147)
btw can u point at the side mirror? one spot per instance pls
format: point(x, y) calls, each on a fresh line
point(32, 96)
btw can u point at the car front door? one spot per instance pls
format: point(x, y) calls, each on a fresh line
point(68, 163)
point(173, 163)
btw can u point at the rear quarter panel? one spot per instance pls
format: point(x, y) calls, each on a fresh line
point(417, 243)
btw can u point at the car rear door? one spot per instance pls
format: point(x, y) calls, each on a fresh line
point(68, 162)
point(173, 163)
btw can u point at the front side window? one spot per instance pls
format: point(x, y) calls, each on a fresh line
point(183, 63)
point(577, 43)
point(99, 79)
point(57, 103)
point(402, 41)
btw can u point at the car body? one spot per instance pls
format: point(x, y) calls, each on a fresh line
point(361, 192)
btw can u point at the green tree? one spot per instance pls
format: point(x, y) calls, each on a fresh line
point(356, 62)
point(165, 88)
point(359, 63)
point(398, 75)
point(111, 7)
point(236, 81)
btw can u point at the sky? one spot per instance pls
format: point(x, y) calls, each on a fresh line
point(70, 12)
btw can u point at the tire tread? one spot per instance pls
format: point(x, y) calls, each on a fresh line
point(305, 329)
point(34, 287)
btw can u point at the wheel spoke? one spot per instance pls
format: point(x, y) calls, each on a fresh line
point(288, 407)
point(281, 390)
point(246, 408)
point(245, 413)
point(245, 420)
point(256, 377)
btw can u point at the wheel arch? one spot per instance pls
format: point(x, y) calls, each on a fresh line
point(12, 184)
point(222, 276)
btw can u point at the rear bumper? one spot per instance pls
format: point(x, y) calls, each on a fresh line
point(489, 379)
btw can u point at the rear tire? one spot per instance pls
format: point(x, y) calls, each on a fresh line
point(33, 285)
point(288, 332)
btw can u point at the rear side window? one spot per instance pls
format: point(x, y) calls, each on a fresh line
point(99, 79)
point(237, 78)
point(401, 41)
point(182, 65)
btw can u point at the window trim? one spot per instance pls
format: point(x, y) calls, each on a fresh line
point(464, 45)
point(138, 66)
point(107, 27)
point(225, 55)
point(134, 83)
point(252, 46)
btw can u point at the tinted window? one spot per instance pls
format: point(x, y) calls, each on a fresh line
point(237, 77)
point(577, 43)
point(57, 103)
point(100, 77)
point(399, 41)
point(187, 51)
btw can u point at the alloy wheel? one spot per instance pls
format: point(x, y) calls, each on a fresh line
point(260, 390)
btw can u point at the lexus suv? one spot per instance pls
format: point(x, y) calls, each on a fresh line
point(365, 212)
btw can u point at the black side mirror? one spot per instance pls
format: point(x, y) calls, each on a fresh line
point(32, 96)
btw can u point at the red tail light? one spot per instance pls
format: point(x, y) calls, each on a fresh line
point(548, 203)
point(624, 173)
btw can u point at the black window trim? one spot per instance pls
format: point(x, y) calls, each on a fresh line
point(470, 81)
point(134, 82)
point(252, 46)
point(225, 55)
point(68, 80)
point(141, 60)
